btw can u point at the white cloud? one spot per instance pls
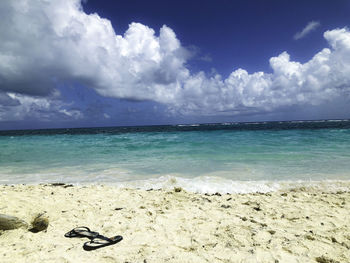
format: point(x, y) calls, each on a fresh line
point(34, 108)
point(311, 26)
point(46, 43)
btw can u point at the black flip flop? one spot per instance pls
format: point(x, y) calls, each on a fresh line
point(81, 231)
point(101, 241)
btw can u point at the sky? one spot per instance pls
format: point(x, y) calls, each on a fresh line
point(92, 63)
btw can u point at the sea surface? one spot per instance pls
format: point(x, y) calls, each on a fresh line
point(226, 157)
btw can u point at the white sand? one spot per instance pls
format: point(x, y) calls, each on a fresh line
point(301, 225)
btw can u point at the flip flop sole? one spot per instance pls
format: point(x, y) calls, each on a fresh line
point(101, 241)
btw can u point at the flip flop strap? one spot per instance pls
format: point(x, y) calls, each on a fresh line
point(76, 233)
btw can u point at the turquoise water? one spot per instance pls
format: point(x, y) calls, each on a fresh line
point(199, 157)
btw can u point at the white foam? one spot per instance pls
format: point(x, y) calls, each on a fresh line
point(211, 185)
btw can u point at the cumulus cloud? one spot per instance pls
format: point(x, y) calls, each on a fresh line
point(47, 43)
point(311, 26)
point(323, 78)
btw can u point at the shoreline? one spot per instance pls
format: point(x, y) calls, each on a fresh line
point(206, 184)
point(296, 225)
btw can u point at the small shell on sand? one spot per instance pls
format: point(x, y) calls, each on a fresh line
point(39, 223)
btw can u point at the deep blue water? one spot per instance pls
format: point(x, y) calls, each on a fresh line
point(215, 154)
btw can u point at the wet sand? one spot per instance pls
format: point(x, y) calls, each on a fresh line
point(298, 225)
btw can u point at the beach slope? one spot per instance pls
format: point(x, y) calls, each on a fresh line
point(298, 225)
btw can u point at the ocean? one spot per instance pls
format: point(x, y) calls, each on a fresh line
point(206, 158)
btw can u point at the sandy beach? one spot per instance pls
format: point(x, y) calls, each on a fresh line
point(298, 225)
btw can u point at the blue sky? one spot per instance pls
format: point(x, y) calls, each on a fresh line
point(67, 63)
point(232, 33)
